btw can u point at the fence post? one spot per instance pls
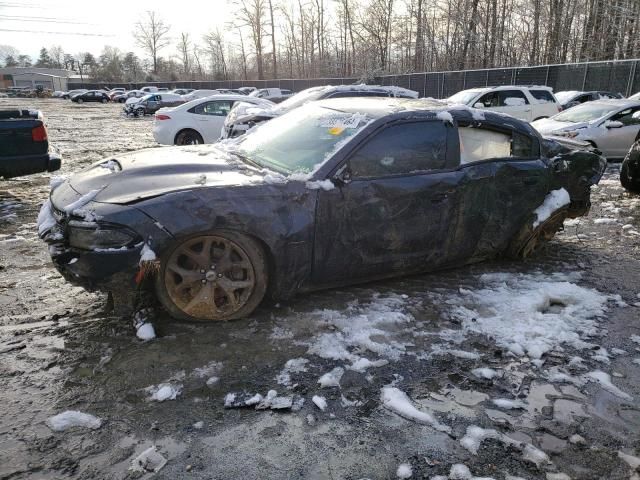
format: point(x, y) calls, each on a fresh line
point(584, 79)
point(632, 76)
point(464, 80)
point(546, 78)
point(486, 80)
point(424, 85)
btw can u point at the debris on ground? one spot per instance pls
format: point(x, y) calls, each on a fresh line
point(270, 401)
point(73, 418)
point(164, 391)
point(143, 326)
point(148, 461)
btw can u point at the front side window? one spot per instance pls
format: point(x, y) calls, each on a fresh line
point(512, 98)
point(402, 149)
point(490, 100)
point(478, 144)
point(629, 116)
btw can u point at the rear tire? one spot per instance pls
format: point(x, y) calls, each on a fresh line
point(80, 100)
point(104, 100)
point(189, 137)
point(210, 277)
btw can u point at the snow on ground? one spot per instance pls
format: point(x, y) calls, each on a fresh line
point(148, 461)
point(72, 418)
point(486, 373)
point(319, 402)
point(354, 328)
point(530, 313)
point(604, 379)
point(332, 378)
point(552, 202)
point(475, 435)
point(164, 391)
point(404, 471)
point(398, 402)
point(295, 365)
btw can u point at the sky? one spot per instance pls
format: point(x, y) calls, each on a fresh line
point(79, 26)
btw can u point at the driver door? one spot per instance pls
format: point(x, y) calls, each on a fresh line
point(395, 213)
point(618, 140)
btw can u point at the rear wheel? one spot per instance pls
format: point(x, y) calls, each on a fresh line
point(104, 100)
point(80, 100)
point(531, 239)
point(211, 277)
point(189, 137)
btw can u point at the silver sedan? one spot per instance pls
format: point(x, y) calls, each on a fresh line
point(610, 125)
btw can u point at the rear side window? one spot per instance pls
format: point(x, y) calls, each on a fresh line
point(402, 149)
point(542, 96)
point(512, 98)
point(478, 144)
point(219, 108)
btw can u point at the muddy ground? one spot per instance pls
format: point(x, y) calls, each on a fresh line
point(418, 335)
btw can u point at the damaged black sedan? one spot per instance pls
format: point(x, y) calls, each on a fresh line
point(333, 193)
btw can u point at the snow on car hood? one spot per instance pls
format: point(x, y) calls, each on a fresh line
point(549, 125)
point(155, 171)
point(131, 100)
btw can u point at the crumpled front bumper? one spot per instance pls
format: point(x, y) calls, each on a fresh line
point(114, 269)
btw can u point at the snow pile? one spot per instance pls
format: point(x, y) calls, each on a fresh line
point(76, 206)
point(144, 328)
point(404, 471)
point(445, 117)
point(72, 418)
point(332, 378)
point(530, 313)
point(486, 373)
point(475, 435)
point(271, 400)
point(459, 471)
point(554, 200)
point(295, 365)
point(508, 404)
point(320, 402)
point(148, 461)
point(112, 165)
point(605, 382)
point(46, 220)
point(164, 391)
point(56, 180)
point(397, 401)
point(353, 330)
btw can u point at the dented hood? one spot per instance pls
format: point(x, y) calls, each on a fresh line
point(152, 172)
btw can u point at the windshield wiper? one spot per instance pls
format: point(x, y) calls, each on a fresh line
point(246, 159)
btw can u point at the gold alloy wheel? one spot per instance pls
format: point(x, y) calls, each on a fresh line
point(209, 277)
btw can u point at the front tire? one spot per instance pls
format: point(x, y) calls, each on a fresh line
point(80, 100)
point(630, 177)
point(189, 137)
point(215, 276)
point(104, 100)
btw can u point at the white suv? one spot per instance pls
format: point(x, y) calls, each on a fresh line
point(525, 103)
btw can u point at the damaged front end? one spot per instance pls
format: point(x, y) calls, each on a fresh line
point(90, 245)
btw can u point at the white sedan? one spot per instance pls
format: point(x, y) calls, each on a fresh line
point(198, 121)
point(610, 125)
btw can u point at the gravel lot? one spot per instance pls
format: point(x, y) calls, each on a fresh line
point(513, 369)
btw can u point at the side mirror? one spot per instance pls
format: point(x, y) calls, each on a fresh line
point(613, 124)
point(478, 105)
point(343, 175)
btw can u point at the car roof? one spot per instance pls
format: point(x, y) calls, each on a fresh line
point(379, 107)
point(617, 102)
point(221, 96)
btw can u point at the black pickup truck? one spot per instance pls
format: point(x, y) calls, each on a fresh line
point(24, 147)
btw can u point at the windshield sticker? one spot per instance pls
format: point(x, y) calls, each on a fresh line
point(342, 122)
point(336, 130)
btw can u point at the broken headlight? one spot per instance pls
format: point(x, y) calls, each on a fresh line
point(94, 236)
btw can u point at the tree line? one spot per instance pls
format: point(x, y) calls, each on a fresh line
point(364, 38)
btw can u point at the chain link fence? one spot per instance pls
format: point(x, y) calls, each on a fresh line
point(621, 76)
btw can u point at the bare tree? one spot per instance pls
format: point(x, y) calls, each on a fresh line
point(184, 50)
point(152, 35)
